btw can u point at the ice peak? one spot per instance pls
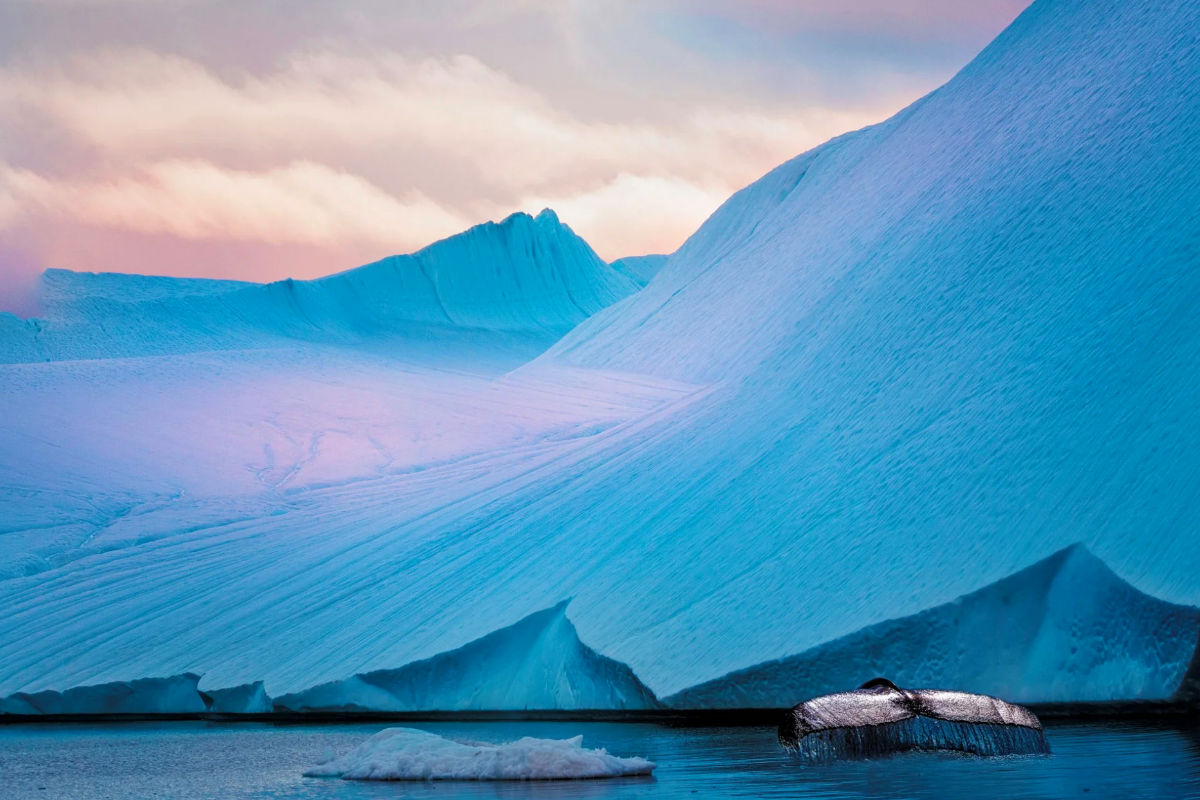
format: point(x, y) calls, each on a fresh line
point(545, 220)
point(538, 662)
point(524, 274)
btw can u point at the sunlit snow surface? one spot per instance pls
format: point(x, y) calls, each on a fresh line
point(897, 370)
point(407, 754)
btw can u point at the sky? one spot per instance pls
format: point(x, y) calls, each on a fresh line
point(264, 139)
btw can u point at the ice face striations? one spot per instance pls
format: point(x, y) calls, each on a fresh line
point(536, 663)
point(948, 345)
point(920, 359)
point(528, 276)
point(1065, 629)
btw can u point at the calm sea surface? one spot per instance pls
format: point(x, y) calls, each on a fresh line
point(194, 761)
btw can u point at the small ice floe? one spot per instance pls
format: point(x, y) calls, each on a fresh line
point(406, 754)
point(880, 718)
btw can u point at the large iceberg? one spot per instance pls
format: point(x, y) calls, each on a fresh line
point(407, 754)
point(900, 368)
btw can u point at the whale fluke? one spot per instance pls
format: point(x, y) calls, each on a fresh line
point(880, 718)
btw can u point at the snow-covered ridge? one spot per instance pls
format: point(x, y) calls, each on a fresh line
point(529, 276)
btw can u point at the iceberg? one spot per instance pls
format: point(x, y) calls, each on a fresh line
point(406, 754)
point(536, 663)
point(173, 695)
point(897, 369)
point(522, 282)
point(1065, 629)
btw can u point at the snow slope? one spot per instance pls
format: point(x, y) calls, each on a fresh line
point(1063, 629)
point(523, 278)
point(947, 346)
point(536, 663)
point(907, 365)
point(103, 453)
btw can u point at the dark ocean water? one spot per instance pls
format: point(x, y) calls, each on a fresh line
point(205, 761)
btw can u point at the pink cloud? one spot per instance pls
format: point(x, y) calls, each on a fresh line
point(346, 154)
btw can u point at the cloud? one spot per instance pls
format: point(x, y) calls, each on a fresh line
point(302, 203)
point(646, 214)
point(383, 113)
point(376, 147)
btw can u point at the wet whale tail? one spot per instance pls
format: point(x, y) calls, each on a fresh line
point(880, 718)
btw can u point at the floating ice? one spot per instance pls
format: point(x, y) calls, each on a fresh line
point(405, 754)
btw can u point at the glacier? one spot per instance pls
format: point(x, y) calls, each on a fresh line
point(898, 369)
